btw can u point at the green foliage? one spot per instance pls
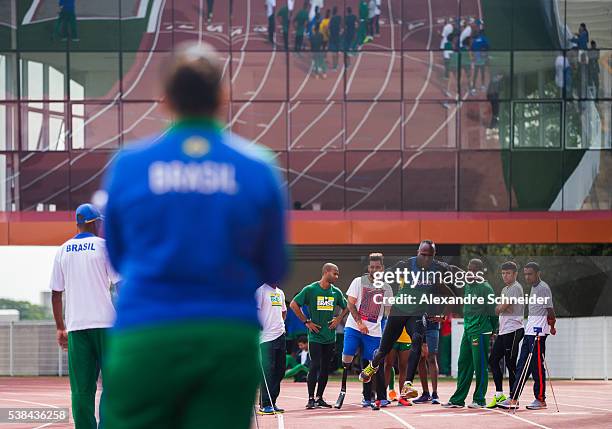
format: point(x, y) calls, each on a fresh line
point(27, 310)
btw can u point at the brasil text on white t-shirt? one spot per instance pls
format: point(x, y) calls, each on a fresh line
point(82, 271)
point(270, 308)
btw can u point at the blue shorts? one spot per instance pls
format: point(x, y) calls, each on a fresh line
point(432, 338)
point(353, 340)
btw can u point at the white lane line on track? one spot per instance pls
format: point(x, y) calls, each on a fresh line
point(514, 416)
point(246, 40)
point(587, 407)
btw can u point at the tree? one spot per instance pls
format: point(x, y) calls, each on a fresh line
point(27, 310)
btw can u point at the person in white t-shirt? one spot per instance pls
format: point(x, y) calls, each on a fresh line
point(82, 270)
point(447, 30)
point(270, 13)
point(272, 310)
point(510, 332)
point(465, 33)
point(363, 328)
point(541, 322)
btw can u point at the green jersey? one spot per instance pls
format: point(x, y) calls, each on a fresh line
point(283, 13)
point(300, 21)
point(363, 10)
point(479, 318)
point(321, 303)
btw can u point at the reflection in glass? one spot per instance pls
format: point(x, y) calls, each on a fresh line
point(429, 180)
point(97, 73)
point(430, 125)
point(585, 125)
point(95, 126)
point(9, 195)
point(540, 74)
point(43, 75)
point(485, 124)
point(530, 167)
point(8, 76)
point(537, 125)
point(589, 183)
point(373, 180)
point(43, 126)
point(375, 126)
point(264, 123)
point(483, 180)
point(142, 119)
point(316, 179)
point(44, 181)
point(8, 127)
point(316, 126)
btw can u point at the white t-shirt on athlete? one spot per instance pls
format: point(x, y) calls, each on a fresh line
point(446, 31)
point(270, 307)
point(538, 313)
point(82, 271)
point(371, 313)
point(270, 5)
point(512, 318)
point(467, 32)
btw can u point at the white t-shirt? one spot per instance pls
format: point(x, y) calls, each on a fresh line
point(446, 31)
point(270, 4)
point(270, 307)
point(467, 32)
point(512, 318)
point(538, 313)
point(378, 7)
point(82, 270)
point(561, 63)
point(313, 5)
point(371, 313)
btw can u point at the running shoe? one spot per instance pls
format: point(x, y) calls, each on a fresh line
point(392, 395)
point(268, 410)
point(404, 402)
point(366, 374)
point(278, 410)
point(408, 391)
point(496, 400)
point(537, 405)
point(451, 405)
point(435, 399)
point(384, 403)
point(365, 403)
point(322, 404)
point(474, 405)
point(311, 404)
point(375, 405)
point(508, 404)
point(423, 399)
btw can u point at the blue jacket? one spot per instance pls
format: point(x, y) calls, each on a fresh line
point(195, 223)
point(67, 5)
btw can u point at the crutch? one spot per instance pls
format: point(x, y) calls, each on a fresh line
point(523, 378)
point(550, 383)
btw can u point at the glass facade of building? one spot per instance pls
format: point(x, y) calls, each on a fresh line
point(400, 122)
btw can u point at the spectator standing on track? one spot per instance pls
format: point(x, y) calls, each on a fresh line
point(377, 17)
point(493, 94)
point(362, 31)
point(285, 16)
point(479, 322)
point(270, 13)
point(315, 21)
point(180, 319)
point(371, 19)
point(66, 23)
point(334, 37)
point(594, 67)
point(350, 43)
point(510, 333)
point(210, 4)
point(480, 48)
point(321, 298)
point(82, 270)
point(272, 311)
point(300, 26)
point(466, 59)
point(445, 34)
point(319, 66)
point(324, 27)
point(541, 316)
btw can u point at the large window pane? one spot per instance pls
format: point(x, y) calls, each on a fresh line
point(490, 76)
point(424, 20)
point(316, 126)
point(259, 76)
point(537, 76)
point(9, 179)
point(537, 125)
point(8, 76)
point(374, 76)
point(429, 180)
point(264, 123)
point(587, 125)
point(250, 25)
point(595, 14)
point(43, 75)
point(43, 126)
point(141, 77)
point(588, 183)
point(483, 180)
point(142, 119)
point(304, 85)
point(43, 181)
point(87, 170)
point(205, 21)
point(373, 126)
point(528, 168)
point(95, 126)
point(373, 180)
point(97, 73)
point(8, 24)
point(316, 180)
point(430, 125)
point(385, 26)
point(536, 24)
point(485, 125)
point(428, 77)
point(148, 29)
point(9, 133)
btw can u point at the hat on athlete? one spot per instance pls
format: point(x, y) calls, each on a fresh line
point(87, 213)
